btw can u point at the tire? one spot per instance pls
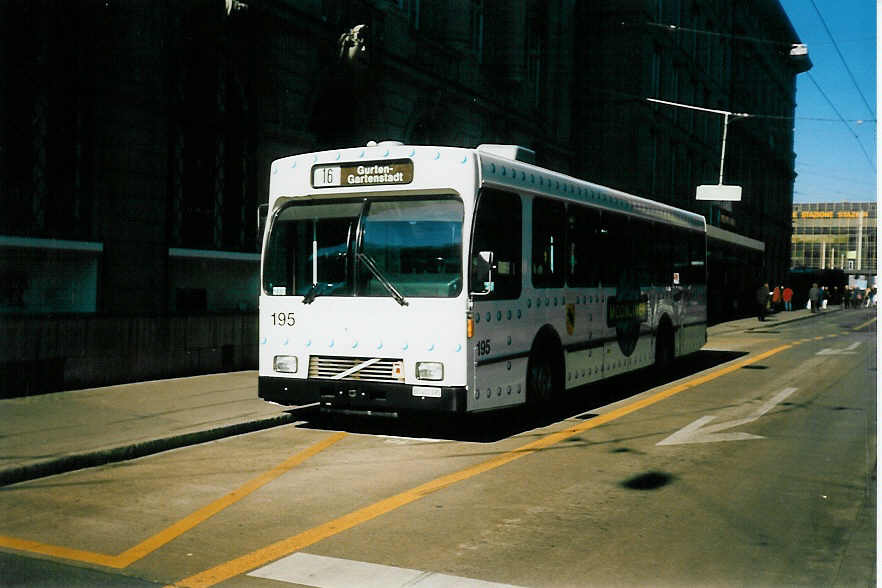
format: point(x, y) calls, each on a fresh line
point(540, 381)
point(545, 372)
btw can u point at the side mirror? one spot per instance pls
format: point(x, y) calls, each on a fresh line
point(482, 273)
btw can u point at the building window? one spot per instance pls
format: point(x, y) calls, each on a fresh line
point(476, 26)
point(655, 73)
point(411, 9)
point(535, 49)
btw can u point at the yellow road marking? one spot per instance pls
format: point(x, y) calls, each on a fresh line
point(101, 559)
point(297, 542)
point(150, 545)
point(866, 324)
point(153, 543)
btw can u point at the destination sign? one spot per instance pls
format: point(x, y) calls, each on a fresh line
point(381, 173)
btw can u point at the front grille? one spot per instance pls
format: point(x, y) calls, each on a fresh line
point(381, 370)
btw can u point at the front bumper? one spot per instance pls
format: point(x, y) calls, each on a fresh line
point(348, 395)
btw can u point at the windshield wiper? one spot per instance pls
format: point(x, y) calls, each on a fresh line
point(371, 265)
point(312, 293)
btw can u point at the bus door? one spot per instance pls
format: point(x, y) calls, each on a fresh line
point(496, 346)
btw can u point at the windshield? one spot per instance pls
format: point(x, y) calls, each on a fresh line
point(415, 246)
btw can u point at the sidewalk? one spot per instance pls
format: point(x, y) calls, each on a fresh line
point(54, 433)
point(772, 320)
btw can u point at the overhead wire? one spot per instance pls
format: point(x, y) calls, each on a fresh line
point(671, 27)
point(842, 58)
point(675, 28)
point(842, 118)
point(636, 97)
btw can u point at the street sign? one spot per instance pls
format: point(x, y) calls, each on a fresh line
point(718, 192)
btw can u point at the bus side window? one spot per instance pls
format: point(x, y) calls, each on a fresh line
point(583, 225)
point(549, 253)
point(643, 243)
point(680, 255)
point(497, 228)
point(697, 261)
point(664, 274)
point(614, 247)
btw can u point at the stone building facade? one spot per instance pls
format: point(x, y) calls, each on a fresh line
point(715, 54)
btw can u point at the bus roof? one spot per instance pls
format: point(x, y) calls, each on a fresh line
point(438, 166)
point(502, 172)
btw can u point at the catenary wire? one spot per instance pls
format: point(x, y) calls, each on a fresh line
point(842, 58)
point(844, 122)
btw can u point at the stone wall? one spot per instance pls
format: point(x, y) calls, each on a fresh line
point(48, 354)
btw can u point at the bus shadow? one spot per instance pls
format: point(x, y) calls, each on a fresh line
point(495, 426)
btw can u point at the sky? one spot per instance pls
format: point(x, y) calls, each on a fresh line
point(831, 162)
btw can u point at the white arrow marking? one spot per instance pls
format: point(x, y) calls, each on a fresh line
point(850, 350)
point(697, 432)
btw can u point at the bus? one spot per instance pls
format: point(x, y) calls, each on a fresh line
point(400, 279)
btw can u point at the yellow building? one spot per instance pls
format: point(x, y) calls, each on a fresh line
point(835, 235)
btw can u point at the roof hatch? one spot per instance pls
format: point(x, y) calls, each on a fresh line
point(515, 152)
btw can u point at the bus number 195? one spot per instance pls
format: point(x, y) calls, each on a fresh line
point(281, 319)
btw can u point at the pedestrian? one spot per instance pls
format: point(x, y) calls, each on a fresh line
point(787, 295)
point(776, 297)
point(762, 299)
point(815, 297)
point(846, 298)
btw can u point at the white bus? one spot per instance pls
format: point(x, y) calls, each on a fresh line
point(400, 278)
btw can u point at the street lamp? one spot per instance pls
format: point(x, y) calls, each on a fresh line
point(718, 191)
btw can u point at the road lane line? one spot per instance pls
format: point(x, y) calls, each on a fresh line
point(285, 547)
point(866, 324)
point(58, 551)
point(153, 543)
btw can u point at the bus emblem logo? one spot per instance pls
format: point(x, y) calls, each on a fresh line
point(571, 319)
point(625, 311)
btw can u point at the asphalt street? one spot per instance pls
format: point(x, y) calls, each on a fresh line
point(752, 463)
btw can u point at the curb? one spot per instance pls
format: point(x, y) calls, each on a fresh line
point(69, 463)
point(784, 322)
point(768, 323)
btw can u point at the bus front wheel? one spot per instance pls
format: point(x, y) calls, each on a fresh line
point(540, 382)
point(544, 376)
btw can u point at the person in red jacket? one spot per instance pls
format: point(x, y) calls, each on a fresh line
point(788, 297)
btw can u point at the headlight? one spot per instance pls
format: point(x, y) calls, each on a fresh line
point(429, 370)
point(285, 363)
